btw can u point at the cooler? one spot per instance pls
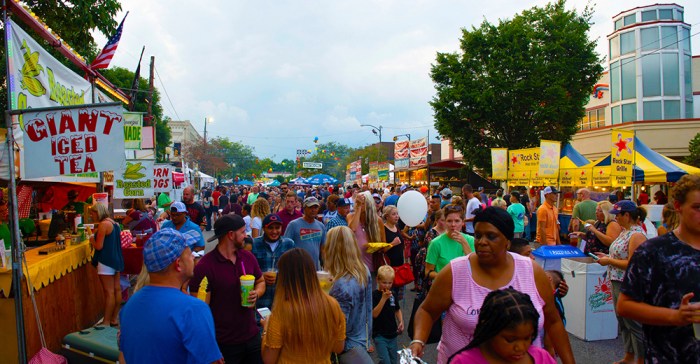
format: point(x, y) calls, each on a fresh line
point(549, 256)
point(93, 345)
point(589, 304)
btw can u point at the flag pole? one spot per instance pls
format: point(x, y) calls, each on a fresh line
point(12, 204)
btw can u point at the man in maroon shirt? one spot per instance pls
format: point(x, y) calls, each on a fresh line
point(290, 211)
point(237, 333)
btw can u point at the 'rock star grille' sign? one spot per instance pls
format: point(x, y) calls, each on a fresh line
point(77, 140)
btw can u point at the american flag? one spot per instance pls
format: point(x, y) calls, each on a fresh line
point(103, 59)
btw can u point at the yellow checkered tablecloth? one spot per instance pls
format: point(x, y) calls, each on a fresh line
point(44, 269)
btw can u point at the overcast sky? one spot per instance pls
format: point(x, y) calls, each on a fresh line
point(276, 74)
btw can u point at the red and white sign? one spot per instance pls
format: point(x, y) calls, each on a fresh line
point(162, 178)
point(81, 140)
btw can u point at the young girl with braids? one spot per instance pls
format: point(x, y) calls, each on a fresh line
point(505, 332)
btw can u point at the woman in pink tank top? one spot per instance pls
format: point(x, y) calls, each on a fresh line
point(367, 225)
point(460, 289)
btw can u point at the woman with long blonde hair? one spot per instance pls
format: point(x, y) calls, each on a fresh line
point(259, 210)
point(306, 324)
point(669, 219)
point(353, 289)
point(366, 224)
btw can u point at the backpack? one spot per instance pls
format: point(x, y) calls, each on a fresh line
point(207, 203)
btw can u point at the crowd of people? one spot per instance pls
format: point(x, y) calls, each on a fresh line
point(469, 257)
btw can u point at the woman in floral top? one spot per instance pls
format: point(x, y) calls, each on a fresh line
point(437, 230)
point(621, 250)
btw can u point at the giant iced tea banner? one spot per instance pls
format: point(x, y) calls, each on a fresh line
point(77, 140)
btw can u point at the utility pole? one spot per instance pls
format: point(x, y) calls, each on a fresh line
point(150, 90)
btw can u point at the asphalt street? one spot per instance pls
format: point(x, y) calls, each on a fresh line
point(585, 352)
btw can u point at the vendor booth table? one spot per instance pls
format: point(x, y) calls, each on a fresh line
point(68, 295)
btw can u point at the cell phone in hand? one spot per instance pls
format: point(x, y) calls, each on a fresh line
point(595, 257)
point(264, 312)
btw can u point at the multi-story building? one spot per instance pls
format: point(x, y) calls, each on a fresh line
point(652, 86)
point(182, 133)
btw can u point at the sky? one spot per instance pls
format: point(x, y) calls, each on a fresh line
point(275, 75)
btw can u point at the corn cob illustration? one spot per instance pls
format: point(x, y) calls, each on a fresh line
point(30, 70)
point(133, 171)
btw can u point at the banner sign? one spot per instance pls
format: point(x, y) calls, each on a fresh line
point(499, 163)
point(373, 171)
point(312, 165)
point(134, 179)
point(549, 159)
point(519, 178)
point(537, 180)
point(576, 177)
point(78, 140)
point(402, 163)
point(419, 152)
point(133, 124)
point(383, 171)
point(402, 153)
point(162, 178)
point(622, 156)
point(524, 159)
point(601, 176)
point(418, 161)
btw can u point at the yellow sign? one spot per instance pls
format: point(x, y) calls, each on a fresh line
point(499, 163)
point(601, 176)
point(549, 158)
point(622, 154)
point(524, 159)
point(537, 180)
point(519, 178)
point(576, 177)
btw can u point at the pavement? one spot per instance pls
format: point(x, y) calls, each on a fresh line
point(585, 352)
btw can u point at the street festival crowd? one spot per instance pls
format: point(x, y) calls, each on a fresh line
point(318, 274)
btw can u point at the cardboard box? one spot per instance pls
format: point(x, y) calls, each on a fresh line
point(590, 314)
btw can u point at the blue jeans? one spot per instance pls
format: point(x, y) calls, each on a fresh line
point(386, 350)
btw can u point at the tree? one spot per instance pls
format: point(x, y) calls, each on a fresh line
point(74, 21)
point(331, 154)
point(122, 78)
point(694, 148)
point(516, 83)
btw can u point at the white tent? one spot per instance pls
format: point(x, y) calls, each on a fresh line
point(205, 178)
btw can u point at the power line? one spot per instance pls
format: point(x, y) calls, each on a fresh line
point(166, 93)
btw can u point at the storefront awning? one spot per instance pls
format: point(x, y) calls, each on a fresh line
point(448, 164)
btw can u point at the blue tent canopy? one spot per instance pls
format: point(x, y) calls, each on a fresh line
point(571, 158)
point(244, 182)
point(319, 179)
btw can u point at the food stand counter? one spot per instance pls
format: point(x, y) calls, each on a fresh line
point(68, 295)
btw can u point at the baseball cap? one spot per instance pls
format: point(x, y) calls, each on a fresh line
point(343, 202)
point(436, 195)
point(550, 189)
point(376, 195)
point(623, 206)
point(311, 201)
point(423, 189)
point(446, 192)
point(163, 248)
point(263, 195)
point(178, 207)
point(271, 219)
point(226, 223)
point(403, 188)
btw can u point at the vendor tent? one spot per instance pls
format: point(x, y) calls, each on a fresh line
point(652, 167)
point(244, 182)
point(571, 158)
point(319, 179)
point(273, 183)
point(205, 177)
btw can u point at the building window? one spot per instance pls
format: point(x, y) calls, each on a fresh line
point(651, 76)
point(650, 38)
point(687, 78)
point(629, 112)
point(652, 110)
point(630, 19)
point(671, 74)
point(593, 119)
point(665, 14)
point(618, 24)
point(614, 81)
point(627, 42)
point(689, 109)
point(678, 15)
point(629, 78)
point(669, 37)
point(685, 39)
point(615, 111)
point(649, 15)
point(614, 47)
point(672, 109)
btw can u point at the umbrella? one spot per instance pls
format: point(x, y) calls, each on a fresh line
point(244, 182)
point(320, 179)
point(299, 181)
point(274, 183)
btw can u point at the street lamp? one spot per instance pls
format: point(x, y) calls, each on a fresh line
point(396, 137)
point(377, 130)
point(207, 119)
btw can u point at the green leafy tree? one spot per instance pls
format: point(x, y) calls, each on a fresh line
point(240, 159)
point(694, 148)
point(123, 78)
point(517, 82)
point(74, 21)
point(331, 154)
point(368, 153)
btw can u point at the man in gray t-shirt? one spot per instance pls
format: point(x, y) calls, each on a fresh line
point(307, 232)
point(473, 204)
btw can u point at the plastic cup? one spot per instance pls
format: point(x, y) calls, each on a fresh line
point(696, 326)
point(247, 285)
point(324, 278)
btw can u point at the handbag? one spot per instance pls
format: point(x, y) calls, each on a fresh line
point(403, 274)
point(435, 331)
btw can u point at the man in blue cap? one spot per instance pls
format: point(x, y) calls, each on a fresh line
point(160, 324)
point(268, 248)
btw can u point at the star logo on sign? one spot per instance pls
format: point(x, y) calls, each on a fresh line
point(583, 173)
point(514, 159)
point(622, 144)
point(566, 173)
point(601, 172)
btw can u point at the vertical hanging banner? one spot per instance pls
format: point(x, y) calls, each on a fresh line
point(76, 140)
point(418, 152)
point(550, 152)
point(402, 154)
point(133, 126)
point(162, 178)
point(134, 179)
point(383, 171)
point(622, 156)
point(499, 163)
point(524, 159)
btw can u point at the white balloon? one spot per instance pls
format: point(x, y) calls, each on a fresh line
point(412, 208)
